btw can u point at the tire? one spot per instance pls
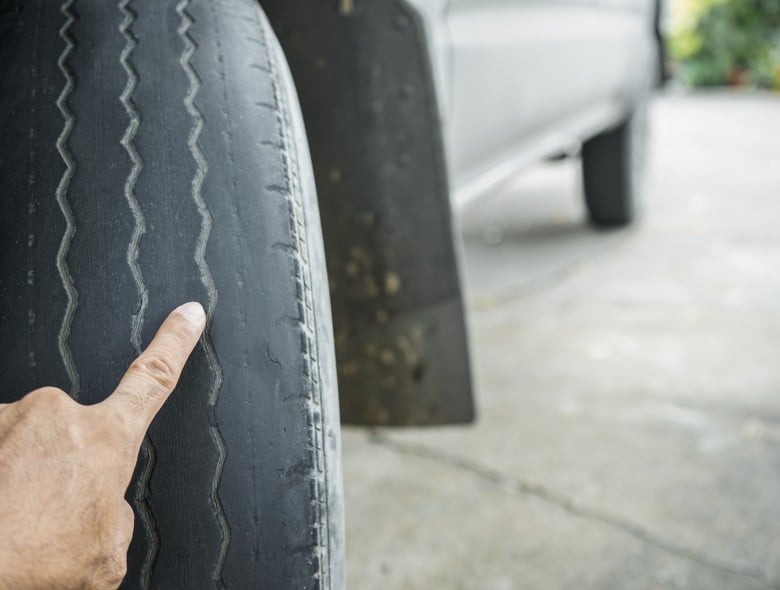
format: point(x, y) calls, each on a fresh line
point(154, 153)
point(613, 166)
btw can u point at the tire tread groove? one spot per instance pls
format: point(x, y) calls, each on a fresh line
point(207, 279)
point(62, 199)
point(127, 141)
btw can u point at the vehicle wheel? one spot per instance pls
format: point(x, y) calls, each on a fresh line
point(153, 153)
point(613, 169)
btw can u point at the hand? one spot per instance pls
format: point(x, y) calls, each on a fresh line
point(64, 470)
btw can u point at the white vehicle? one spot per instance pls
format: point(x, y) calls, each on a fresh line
point(155, 152)
point(520, 80)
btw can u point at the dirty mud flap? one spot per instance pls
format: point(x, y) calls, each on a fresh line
point(366, 88)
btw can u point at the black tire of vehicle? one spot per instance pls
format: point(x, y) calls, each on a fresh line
point(613, 166)
point(153, 153)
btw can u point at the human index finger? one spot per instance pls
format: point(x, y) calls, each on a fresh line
point(152, 377)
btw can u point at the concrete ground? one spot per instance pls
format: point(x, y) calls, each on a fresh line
point(628, 386)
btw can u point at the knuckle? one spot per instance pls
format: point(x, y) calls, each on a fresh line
point(157, 367)
point(48, 397)
point(52, 412)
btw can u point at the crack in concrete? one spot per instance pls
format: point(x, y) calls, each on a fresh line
point(520, 487)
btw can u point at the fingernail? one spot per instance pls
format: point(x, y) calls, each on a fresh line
point(193, 312)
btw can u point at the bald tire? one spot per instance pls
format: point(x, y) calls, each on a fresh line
point(153, 153)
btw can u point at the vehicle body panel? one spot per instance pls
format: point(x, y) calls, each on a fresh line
point(522, 79)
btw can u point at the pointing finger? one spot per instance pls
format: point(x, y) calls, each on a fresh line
point(154, 374)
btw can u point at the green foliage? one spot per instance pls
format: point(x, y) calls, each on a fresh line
point(728, 42)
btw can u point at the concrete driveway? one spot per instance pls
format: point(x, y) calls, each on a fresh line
point(628, 386)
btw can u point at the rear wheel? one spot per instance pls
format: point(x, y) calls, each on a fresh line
point(153, 153)
point(613, 166)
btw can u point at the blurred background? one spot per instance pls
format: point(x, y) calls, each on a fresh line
point(725, 42)
point(628, 381)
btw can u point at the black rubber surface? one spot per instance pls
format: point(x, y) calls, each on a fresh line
point(151, 153)
point(613, 169)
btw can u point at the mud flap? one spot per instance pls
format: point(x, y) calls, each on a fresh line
point(366, 87)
